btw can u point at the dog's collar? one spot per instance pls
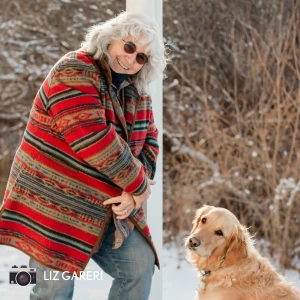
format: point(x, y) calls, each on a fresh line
point(204, 272)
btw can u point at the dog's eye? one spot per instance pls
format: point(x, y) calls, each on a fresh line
point(203, 220)
point(219, 232)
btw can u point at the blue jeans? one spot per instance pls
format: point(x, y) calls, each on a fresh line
point(131, 266)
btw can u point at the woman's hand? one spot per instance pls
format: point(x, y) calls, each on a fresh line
point(140, 199)
point(122, 205)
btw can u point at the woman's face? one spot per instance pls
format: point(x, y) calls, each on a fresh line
point(121, 61)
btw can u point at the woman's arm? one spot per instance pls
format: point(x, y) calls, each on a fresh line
point(73, 101)
point(150, 151)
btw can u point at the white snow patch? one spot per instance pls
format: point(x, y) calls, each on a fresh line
point(254, 154)
point(84, 289)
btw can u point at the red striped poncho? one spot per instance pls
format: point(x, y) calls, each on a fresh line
point(79, 149)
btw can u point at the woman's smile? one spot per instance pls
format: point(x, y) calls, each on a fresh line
point(122, 65)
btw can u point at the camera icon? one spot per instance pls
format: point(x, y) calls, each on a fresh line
point(22, 275)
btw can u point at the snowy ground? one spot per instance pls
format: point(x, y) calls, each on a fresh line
point(84, 290)
point(179, 277)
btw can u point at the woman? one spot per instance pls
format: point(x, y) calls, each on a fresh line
point(85, 163)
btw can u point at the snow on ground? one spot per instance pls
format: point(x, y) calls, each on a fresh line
point(179, 277)
point(84, 290)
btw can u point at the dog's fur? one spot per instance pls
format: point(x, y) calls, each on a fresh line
point(237, 270)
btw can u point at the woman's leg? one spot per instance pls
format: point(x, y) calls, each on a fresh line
point(58, 288)
point(131, 266)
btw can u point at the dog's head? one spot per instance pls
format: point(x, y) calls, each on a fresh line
point(217, 238)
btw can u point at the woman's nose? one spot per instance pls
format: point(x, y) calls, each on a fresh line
point(131, 58)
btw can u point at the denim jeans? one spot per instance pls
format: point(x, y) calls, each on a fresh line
point(131, 266)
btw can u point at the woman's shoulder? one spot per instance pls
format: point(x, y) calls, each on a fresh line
point(74, 68)
point(78, 59)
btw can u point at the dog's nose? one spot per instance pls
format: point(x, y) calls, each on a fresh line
point(194, 242)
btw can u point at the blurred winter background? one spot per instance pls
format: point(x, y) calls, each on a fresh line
point(231, 118)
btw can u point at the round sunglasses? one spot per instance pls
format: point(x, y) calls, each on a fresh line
point(130, 47)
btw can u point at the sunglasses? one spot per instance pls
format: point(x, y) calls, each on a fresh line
point(130, 47)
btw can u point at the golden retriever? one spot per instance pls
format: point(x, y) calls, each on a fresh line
point(230, 268)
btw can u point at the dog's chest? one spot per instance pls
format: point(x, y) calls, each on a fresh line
point(209, 282)
point(202, 282)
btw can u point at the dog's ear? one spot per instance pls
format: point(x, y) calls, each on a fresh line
point(199, 212)
point(238, 247)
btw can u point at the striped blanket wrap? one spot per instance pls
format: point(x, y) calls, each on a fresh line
point(79, 148)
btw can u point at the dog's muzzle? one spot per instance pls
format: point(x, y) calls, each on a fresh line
point(194, 242)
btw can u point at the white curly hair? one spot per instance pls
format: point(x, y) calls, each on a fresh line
point(140, 27)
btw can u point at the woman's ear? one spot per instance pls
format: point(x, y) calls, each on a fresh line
point(238, 248)
point(199, 212)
